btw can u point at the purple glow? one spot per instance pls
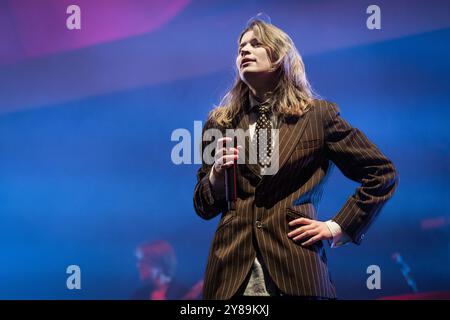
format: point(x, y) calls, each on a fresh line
point(35, 28)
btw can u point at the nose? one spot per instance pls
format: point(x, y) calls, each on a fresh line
point(244, 50)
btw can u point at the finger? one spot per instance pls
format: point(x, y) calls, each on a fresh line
point(228, 164)
point(224, 151)
point(301, 221)
point(312, 240)
point(306, 234)
point(221, 142)
point(232, 151)
point(220, 152)
point(229, 143)
point(300, 230)
point(229, 158)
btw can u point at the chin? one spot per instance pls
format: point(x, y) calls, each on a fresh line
point(249, 69)
point(249, 73)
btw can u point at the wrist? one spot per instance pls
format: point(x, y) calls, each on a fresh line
point(214, 171)
point(216, 183)
point(214, 176)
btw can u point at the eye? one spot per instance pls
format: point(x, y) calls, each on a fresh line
point(256, 44)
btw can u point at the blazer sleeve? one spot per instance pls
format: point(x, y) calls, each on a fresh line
point(206, 205)
point(361, 161)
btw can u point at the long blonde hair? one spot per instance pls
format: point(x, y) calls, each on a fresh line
point(293, 94)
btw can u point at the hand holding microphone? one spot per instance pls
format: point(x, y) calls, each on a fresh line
point(224, 169)
point(224, 157)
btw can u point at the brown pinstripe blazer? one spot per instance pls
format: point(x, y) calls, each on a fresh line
point(307, 146)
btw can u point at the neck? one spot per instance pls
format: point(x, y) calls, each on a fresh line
point(259, 93)
point(262, 89)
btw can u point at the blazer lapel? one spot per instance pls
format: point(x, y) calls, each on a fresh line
point(250, 151)
point(290, 132)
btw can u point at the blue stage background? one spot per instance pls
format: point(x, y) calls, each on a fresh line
point(85, 167)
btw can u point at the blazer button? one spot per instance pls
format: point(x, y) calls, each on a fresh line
point(258, 224)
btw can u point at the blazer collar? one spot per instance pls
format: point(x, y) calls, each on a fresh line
point(290, 131)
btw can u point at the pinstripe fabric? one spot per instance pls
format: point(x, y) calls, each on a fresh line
point(308, 146)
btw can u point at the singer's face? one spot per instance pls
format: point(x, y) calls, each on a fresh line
point(253, 60)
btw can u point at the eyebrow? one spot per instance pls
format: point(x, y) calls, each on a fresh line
point(244, 43)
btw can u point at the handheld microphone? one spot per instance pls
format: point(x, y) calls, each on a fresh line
point(230, 184)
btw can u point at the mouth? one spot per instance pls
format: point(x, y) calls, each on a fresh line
point(246, 61)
